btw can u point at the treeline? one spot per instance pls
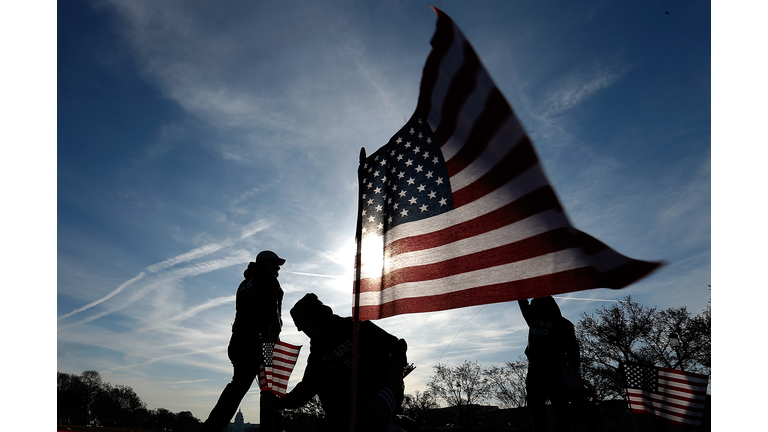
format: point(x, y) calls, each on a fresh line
point(460, 394)
point(86, 400)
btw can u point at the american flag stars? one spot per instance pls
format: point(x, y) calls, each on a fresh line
point(399, 188)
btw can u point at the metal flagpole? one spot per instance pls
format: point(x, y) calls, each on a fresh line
point(356, 309)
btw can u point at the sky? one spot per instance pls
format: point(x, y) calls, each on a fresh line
point(192, 135)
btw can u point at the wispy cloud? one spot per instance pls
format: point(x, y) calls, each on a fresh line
point(314, 275)
point(189, 313)
point(167, 278)
point(106, 297)
point(580, 84)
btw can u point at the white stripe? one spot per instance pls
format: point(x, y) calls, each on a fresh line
point(521, 230)
point(539, 266)
point(518, 187)
point(684, 386)
point(277, 380)
point(505, 139)
point(679, 419)
point(470, 111)
point(283, 363)
point(449, 65)
point(658, 399)
point(656, 410)
point(281, 378)
point(682, 394)
point(683, 376)
point(286, 356)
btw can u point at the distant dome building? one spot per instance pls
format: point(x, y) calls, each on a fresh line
point(239, 425)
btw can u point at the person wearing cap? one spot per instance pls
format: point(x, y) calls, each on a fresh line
point(552, 347)
point(258, 305)
point(381, 362)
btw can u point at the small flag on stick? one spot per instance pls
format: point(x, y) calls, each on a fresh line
point(455, 210)
point(672, 395)
point(277, 362)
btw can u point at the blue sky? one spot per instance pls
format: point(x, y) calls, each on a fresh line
point(192, 135)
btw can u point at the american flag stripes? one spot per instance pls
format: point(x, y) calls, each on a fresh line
point(383, 406)
point(455, 210)
point(277, 362)
point(675, 396)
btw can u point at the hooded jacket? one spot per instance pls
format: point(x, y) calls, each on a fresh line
point(551, 337)
point(329, 367)
point(258, 306)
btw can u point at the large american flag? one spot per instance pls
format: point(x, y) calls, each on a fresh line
point(675, 396)
point(277, 362)
point(455, 210)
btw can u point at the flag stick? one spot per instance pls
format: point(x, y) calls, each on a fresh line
point(356, 309)
point(629, 401)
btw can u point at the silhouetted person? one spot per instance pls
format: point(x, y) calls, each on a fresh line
point(257, 319)
point(551, 346)
point(381, 361)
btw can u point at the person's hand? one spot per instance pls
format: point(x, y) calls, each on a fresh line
point(271, 335)
point(395, 375)
point(271, 402)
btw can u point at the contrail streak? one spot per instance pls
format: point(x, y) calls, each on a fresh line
point(107, 297)
point(588, 299)
point(312, 274)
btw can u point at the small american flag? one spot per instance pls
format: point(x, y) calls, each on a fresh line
point(672, 395)
point(383, 407)
point(455, 210)
point(278, 360)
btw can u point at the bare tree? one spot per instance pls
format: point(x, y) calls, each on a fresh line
point(310, 416)
point(508, 383)
point(630, 332)
point(461, 387)
point(415, 405)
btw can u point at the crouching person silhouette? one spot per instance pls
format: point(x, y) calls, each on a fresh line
point(552, 347)
point(381, 362)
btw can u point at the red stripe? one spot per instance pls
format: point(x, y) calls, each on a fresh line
point(538, 245)
point(285, 351)
point(658, 411)
point(282, 369)
point(441, 42)
point(656, 407)
point(538, 201)
point(518, 160)
point(693, 396)
point(626, 274)
point(551, 284)
point(672, 403)
point(683, 374)
point(285, 357)
point(461, 87)
point(484, 128)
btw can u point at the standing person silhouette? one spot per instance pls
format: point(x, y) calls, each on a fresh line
point(552, 345)
point(258, 319)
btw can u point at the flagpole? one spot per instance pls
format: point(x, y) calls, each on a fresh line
point(626, 395)
point(356, 309)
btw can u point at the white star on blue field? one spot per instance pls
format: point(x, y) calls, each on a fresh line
point(192, 135)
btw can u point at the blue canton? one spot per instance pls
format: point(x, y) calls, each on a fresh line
point(404, 181)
